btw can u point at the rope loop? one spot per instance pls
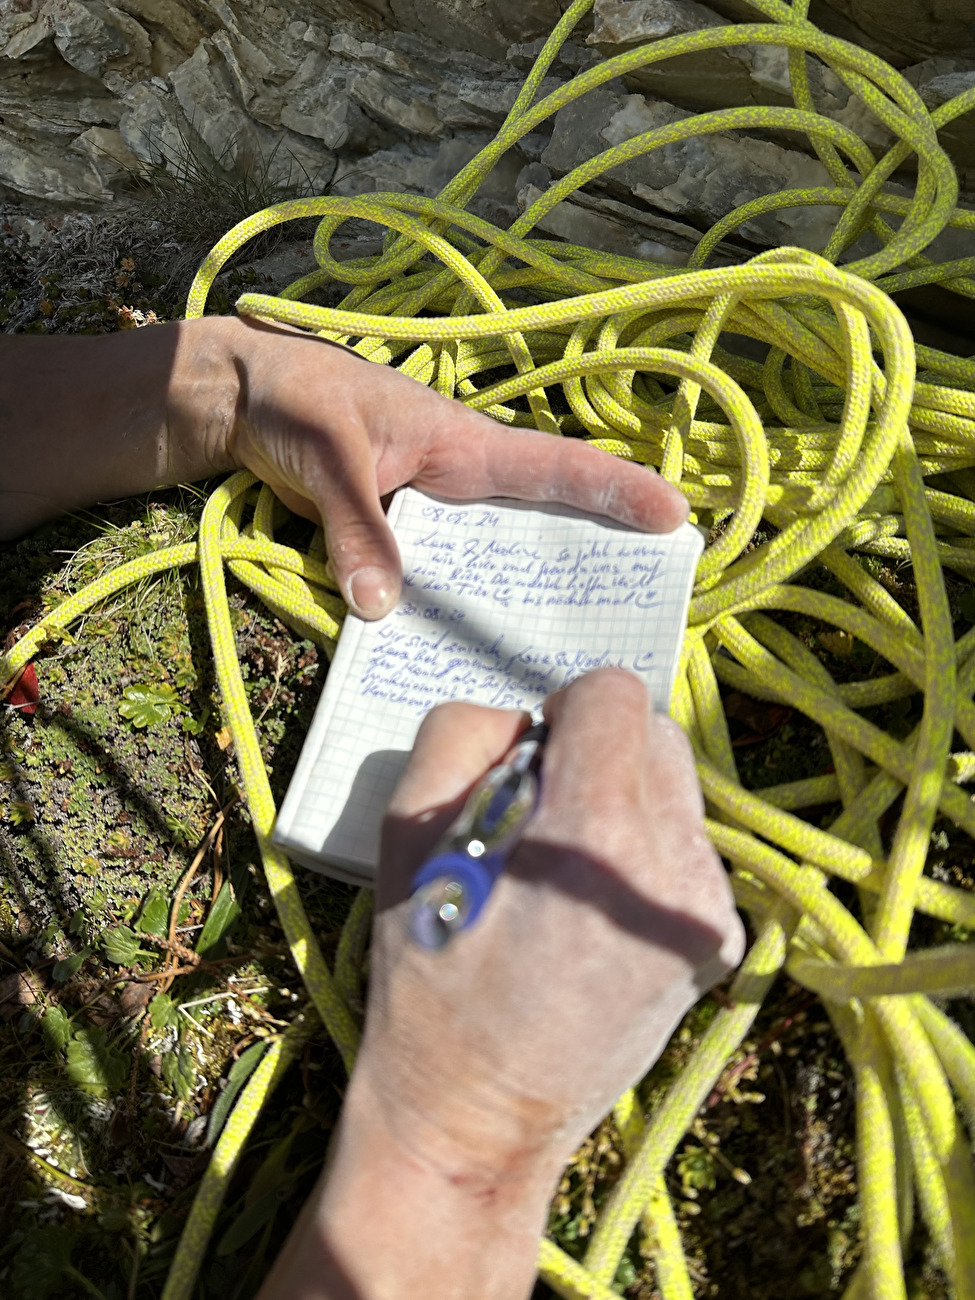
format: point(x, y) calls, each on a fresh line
point(821, 449)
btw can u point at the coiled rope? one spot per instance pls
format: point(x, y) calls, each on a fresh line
point(831, 444)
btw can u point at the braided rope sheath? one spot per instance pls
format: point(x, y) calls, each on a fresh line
point(830, 441)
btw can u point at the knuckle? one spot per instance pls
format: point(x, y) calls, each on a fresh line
point(355, 541)
point(615, 688)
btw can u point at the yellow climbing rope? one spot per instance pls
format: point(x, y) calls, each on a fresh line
point(846, 440)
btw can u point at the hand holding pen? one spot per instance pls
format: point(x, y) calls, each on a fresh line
point(612, 909)
point(483, 1065)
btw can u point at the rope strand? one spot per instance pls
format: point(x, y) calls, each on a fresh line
point(825, 448)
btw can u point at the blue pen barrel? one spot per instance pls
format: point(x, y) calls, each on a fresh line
point(456, 881)
point(450, 889)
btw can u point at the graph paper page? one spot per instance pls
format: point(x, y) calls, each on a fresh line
point(503, 602)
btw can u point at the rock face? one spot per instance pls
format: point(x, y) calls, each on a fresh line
point(920, 31)
point(719, 78)
point(360, 95)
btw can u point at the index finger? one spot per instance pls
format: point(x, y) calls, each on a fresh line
point(471, 456)
point(613, 766)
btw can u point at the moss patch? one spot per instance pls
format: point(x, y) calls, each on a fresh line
point(112, 1081)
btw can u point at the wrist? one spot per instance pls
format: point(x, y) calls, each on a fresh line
point(202, 400)
point(388, 1223)
point(89, 419)
point(482, 1147)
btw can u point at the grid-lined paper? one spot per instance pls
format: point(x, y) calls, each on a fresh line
point(503, 602)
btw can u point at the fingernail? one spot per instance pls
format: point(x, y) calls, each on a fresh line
point(370, 592)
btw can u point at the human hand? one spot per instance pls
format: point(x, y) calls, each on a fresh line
point(486, 1063)
point(612, 918)
point(119, 414)
point(332, 434)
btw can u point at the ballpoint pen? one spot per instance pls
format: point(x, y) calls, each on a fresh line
point(452, 886)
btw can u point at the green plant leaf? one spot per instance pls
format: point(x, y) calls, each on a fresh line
point(240, 1072)
point(179, 1071)
point(42, 1261)
point(626, 1275)
point(56, 1028)
point(162, 1012)
point(94, 1065)
point(21, 813)
point(247, 1224)
point(68, 967)
point(121, 946)
point(223, 914)
point(274, 1173)
point(148, 705)
point(695, 1165)
point(193, 726)
point(155, 914)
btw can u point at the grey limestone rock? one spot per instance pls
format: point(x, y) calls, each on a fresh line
point(151, 124)
point(316, 102)
point(205, 90)
point(51, 175)
point(97, 38)
point(425, 168)
point(939, 80)
point(400, 94)
point(908, 32)
point(485, 27)
point(170, 17)
point(700, 178)
point(595, 221)
point(720, 78)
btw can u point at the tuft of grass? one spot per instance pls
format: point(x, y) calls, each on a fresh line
point(94, 273)
point(198, 197)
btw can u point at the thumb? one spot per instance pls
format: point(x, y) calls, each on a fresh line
point(363, 552)
point(344, 498)
point(361, 546)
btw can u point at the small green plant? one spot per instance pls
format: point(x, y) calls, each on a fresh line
point(42, 1265)
point(182, 829)
point(154, 918)
point(148, 705)
point(122, 947)
point(695, 1165)
point(56, 1028)
point(163, 1013)
point(69, 967)
point(179, 1072)
point(194, 725)
point(94, 1065)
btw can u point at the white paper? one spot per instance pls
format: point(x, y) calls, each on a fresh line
point(503, 602)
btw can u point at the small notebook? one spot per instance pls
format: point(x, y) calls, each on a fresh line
point(503, 602)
